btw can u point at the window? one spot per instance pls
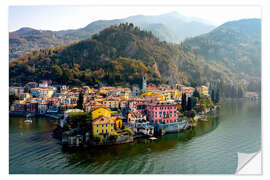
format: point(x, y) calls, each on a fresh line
point(102, 131)
point(106, 131)
point(97, 125)
point(106, 125)
point(102, 125)
point(97, 130)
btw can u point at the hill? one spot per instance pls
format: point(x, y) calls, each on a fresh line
point(118, 55)
point(170, 27)
point(26, 40)
point(235, 45)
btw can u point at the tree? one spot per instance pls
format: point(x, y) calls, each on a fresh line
point(213, 96)
point(114, 136)
point(196, 93)
point(189, 104)
point(194, 101)
point(78, 119)
point(192, 114)
point(80, 101)
point(130, 132)
point(217, 97)
point(184, 102)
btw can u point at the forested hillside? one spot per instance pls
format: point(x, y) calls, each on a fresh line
point(118, 55)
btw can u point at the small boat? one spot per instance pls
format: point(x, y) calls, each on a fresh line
point(28, 121)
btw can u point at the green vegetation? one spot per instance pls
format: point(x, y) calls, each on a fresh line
point(130, 132)
point(76, 119)
point(80, 101)
point(114, 136)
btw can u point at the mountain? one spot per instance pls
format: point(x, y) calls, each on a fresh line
point(170, 27)
point(123, 54)
point(235, 45)
point(26, 40)
point(118, 55)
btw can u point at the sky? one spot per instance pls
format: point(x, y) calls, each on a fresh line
point(73, 17)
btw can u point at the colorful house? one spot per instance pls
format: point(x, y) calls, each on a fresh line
point(102, 126)
point(118, 122)
point(162, 112)
point(101, 112)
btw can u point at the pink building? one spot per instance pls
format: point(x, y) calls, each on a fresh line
point(162, 112)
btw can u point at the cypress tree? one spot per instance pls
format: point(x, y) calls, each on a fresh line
point(213, 96)
point(184, 102)
point(80, 101)
point(189, 104)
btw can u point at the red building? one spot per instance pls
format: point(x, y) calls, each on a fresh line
point(162, 112)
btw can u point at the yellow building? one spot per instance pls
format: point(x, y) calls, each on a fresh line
point(102, 126)
point(118, 122)
point(150, 94)
point(101, 112)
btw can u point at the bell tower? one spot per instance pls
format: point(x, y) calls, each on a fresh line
point(144, 83)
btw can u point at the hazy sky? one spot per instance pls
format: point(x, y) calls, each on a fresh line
point(72, 17)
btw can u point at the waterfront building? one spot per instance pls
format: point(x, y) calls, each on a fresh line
point(162, 112)
point(135, 117)
point(102, 125)
point(17, 106)
point(101, 112)
point(17, 91)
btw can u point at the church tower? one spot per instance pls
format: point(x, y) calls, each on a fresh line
point(144, 84)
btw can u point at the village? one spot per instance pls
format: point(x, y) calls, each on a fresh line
point(112, 115)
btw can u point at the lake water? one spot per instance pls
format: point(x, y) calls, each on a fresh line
point(211, 147)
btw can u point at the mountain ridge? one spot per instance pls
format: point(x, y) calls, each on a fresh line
point(171, 32)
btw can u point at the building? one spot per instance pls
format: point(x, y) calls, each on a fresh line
point(187, 90)
point(118, 122)
point(162, 112)
point(16, 91)
point(101, 112)
point(135, 117)
point(102, 125)
point(203, 90)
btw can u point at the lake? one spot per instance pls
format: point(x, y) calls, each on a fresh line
point(210, 147)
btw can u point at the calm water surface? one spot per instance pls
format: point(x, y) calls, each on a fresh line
point(211, 147)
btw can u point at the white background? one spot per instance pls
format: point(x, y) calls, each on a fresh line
point(4, 83)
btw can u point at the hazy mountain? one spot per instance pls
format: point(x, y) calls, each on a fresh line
point(171, 27)
point(235, 45)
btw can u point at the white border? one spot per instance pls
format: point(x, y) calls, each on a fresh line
point(4, 77)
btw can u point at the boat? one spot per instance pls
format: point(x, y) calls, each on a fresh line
point(28, 121)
